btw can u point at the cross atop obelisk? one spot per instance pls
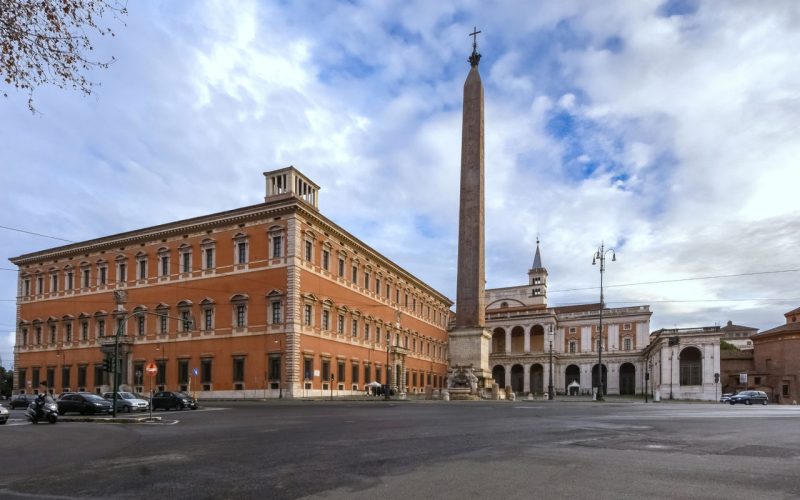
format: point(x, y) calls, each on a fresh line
point(475, 58)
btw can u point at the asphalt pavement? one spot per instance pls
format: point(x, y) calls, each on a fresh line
point(413, 449)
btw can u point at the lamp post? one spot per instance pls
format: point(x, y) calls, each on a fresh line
point(388, 380)
point(280, 367)
point(601, 256)
point(550, 395)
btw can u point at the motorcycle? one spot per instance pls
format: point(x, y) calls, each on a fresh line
point(42, 410)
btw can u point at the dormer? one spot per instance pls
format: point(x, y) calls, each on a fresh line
point(289, 182)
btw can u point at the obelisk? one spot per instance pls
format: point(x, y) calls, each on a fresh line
point(469, 340)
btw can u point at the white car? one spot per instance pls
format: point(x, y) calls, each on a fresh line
point(3, 414)
point(127, 401)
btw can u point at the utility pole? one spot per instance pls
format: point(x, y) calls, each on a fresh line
point(601, 256)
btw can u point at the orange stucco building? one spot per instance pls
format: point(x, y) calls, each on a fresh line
point(262, 301)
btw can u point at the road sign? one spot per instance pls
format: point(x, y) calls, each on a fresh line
point(151, 369)
point(195, 372)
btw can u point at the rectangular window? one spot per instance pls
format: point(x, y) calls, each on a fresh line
point(84, 331)
point(53, 283)
point(120, 326)
point(367, 373)
point(354, 331)
point(26, 287)
point(103, 278)
point(366, 331)
point(354, 279)
point(70, 280)
point(161, 376)
point(241, 252)
point(354, 373)
point(309, 250)
point(208, 316)
point(186, 321)
point(326, 258)
point(326, 370)
point(307, 314)
point(572, 329)
point(340, 369)
point(68, 332)
point(65, 376)
point(238, 369)
point(40, 285)
point(366, 280)
point(164, 265)
point(572, 347)
point(183, 371)
point(98, 375)
point(24, 336)
point(101, 328)
point(205, 370)
point(186, 261)
point(142, 269)
point(38, 335)
point(626, 326)
point(341, 267)
point(277, 246)
point(378, 374)
point(122, 273)
point(209, 253)
point(378, 286)
point(308, 368)
point(275, 367)
point(82, 376)
point(626, 343)
point(406, 299)
point(276, 312)
point(162, 321)
point(86, 278)
point(326, 320)
point(241, 318)
point(140, 323)
point(340, 325)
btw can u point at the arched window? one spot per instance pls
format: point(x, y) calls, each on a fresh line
point(691, 366)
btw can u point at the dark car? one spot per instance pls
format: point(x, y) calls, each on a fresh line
point(22, 401)
point(173, 400)
point(749, 397)
point(83, 403)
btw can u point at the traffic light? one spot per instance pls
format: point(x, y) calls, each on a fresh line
point(107, 364)
point(716, 378)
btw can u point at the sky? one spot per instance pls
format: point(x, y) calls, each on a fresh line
point(666, 130)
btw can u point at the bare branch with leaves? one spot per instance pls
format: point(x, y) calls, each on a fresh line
point(49, 42)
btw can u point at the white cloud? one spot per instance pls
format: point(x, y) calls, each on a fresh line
point(682, 154)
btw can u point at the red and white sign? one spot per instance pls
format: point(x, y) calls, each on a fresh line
point(151, 369)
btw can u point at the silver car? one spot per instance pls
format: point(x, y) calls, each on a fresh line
point(3, 414)
point(127, 401)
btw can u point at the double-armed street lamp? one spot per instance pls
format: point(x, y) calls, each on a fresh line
point(601, 256)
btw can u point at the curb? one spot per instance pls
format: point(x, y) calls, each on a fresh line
point(108, 420)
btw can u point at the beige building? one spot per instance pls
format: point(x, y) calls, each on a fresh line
point(522, 321)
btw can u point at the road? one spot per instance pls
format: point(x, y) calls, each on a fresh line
point(409, 450)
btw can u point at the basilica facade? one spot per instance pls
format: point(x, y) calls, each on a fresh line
point(527, 334)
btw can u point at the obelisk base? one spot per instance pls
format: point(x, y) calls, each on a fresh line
point(469, 347)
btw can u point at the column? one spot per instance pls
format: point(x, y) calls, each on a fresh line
point(508, 340)
point(526, 378)
point(527, 339)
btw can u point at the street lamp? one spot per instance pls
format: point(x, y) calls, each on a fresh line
point(601, 256)
point(280, 371)
point(550, 395)
point(388, 381)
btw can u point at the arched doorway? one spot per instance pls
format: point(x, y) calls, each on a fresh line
point(691, 366)
point(604, 378)
point(498, 341)
point(517, 339)
point(499, 375)
point(517, 378)
point(537, 379)
point(572, 374)
point(537, 338)
point(627, 379)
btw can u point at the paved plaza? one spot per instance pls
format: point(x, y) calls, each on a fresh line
point(377, 449)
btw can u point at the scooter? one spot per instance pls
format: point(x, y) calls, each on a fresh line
point(47, 410)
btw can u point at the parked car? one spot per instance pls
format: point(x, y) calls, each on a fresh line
point(127, 401)
point(83, 403)
point(22, 401)
point(749, 397)
point(3, 414)
point(173, 400)
point(725, 397)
